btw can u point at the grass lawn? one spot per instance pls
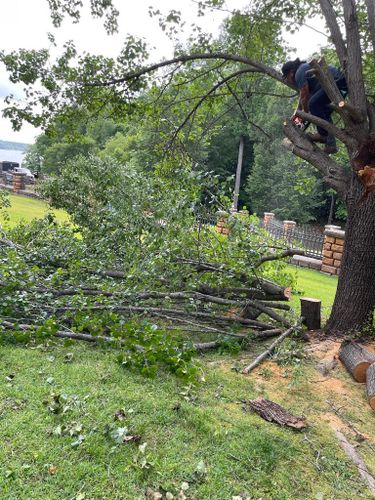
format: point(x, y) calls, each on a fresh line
point(198, 436)
point(25, 209)
point(313, 284)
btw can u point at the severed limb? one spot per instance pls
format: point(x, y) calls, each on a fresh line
point(269, 351)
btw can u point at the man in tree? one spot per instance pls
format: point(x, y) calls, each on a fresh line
point(313, 99)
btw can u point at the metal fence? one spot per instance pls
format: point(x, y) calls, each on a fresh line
point(306, 237)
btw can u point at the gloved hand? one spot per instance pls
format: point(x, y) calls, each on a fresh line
point(298, 122)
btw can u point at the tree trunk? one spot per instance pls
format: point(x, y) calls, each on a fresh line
point(355, 296)
point(371, 386)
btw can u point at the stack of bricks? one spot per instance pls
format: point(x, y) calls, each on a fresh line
point(222, 226)
point(18, 182)
point(334, 239)
point(288, 227)
point(267, 218)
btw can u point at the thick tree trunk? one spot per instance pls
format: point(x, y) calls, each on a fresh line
point(355, 296)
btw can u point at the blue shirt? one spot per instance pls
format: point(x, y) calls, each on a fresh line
point(313, 83)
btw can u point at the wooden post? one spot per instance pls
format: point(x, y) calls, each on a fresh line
point(310, 312)
point(370, 385)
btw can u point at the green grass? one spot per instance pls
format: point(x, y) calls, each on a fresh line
point(26, 209)
point(242, 453)
point(313, 284)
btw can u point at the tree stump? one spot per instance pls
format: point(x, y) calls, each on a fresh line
point(371, 385)
point(356, 360)
point(310, 312)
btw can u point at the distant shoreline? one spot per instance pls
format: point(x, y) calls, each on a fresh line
point(14, 146)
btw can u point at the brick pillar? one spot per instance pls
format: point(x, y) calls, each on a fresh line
point(267, 218)
point(333, 247)
point(18, 182)
point(288, 228)
point(222, 226)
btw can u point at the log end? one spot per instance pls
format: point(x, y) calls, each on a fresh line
point(371, 402)
point(360, 371)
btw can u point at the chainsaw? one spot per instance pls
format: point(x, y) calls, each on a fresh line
point(299, 122)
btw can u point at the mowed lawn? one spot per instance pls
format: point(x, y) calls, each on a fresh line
point(310, 283)
point(26, 209)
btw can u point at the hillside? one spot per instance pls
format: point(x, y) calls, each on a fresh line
point(17, 146)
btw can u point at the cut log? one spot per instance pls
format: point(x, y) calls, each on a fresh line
point(272, 412)
point(356, 360)
point(310, 312)
point(370, 385)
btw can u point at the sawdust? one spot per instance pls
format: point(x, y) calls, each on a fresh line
point(334, 421)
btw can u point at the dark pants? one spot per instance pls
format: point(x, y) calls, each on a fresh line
point(319, 105)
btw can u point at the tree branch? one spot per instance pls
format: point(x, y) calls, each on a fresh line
point(200, 102)
point(300, 145)
point(255, 65)
point(288, 253)
point(336, 35)
point(370, 4)
point(354, 75)
point(344, 137)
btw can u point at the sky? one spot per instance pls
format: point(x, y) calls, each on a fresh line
point(25, 24)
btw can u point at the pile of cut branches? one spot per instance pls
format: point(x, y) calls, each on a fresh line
point(125, 259)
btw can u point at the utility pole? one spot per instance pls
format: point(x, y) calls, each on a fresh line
point(238, 174)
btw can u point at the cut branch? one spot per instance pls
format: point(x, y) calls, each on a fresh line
point(353, 455)
point(287, 253)
point(269, 351)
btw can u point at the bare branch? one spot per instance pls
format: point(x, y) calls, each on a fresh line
point(245, 115)
point(201, 101)
point(255, 65)
point(269, 351)
point(288, 253)
point(299, 144)
point(354, 75)
point(336, 35)
point(330, 127)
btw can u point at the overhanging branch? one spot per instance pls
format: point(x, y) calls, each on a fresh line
point(255, 65)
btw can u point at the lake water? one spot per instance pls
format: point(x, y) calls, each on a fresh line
point(11, 155)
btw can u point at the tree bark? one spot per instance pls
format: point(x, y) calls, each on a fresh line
point(355, 297)
point(310, 312)
point(272, 412)
point(356, 360)
point(370, 385)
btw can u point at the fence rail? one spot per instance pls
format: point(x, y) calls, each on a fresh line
point(306, 237)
